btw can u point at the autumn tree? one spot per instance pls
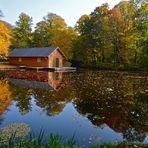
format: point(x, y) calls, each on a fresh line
point(117, 35)
point(64, 39)
point(93, 37)
point(5, 37)
point(101, 36)
point(53, 31)
point(22, 32)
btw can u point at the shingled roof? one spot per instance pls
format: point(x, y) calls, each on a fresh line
point(34, 52)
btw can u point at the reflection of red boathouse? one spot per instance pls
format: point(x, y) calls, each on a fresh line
point(36, 79)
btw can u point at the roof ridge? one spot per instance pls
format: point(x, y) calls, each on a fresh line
point(36, 47)
point(34, 52)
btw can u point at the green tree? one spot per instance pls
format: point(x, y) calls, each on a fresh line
point(55, 21)
point(138, 3)
point(129, 12)
point(100, 32)
point(142, 26)
point(53, 31)
point(22, 32)
point(42, 34)
point(45, 29)
point(83, 42)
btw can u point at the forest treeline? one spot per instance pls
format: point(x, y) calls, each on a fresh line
point(117, 36)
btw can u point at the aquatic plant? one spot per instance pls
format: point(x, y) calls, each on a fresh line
point(17, 129)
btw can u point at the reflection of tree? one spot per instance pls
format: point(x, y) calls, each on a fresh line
point(22, 96)
point(138, 118)
point(132, 135)
point(110, 98)
point(39, 84)
point(49, 101)
point(2, 75)
point(5, 95)
point(54, 101)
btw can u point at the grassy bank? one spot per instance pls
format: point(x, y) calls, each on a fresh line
point(55, 141)
point(114, 67)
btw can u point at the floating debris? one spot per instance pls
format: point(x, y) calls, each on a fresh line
point(17, 129)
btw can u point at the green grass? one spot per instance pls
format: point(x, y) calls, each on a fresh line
point(16, 135)
point(55, 141)
point(32, 141)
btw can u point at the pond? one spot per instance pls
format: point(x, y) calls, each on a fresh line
point(93, 106)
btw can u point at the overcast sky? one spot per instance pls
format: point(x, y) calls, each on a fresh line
point(70, 10)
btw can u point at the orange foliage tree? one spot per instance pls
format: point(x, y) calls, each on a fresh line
point(5, 37)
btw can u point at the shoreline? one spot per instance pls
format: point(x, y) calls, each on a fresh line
point(7, 66)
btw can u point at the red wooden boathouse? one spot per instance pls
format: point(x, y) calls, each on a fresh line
point(37, 57)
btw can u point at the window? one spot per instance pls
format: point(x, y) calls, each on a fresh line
point(20, 59)
point(38, 60)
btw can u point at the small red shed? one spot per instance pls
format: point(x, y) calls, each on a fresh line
point(37, 57)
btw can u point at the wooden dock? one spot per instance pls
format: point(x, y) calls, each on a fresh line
point(52, 69)
point(6, 66)
point(64, 69)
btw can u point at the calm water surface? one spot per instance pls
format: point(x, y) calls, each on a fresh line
point(95, 107)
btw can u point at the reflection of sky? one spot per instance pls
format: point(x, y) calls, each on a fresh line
point(67, 123)
point(146, 139)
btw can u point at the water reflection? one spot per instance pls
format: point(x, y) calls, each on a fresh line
point(36, 79)
point(5, 95)
point(116, 100)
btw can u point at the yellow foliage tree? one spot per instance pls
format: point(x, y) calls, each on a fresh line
point(63, 38)
point(5, 37)
point(5, 95)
